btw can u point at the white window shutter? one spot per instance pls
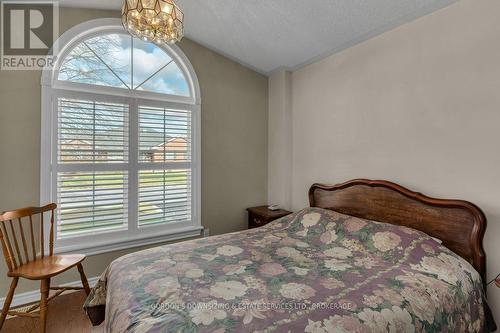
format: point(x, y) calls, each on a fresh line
point(91, 133)
point(164, 154)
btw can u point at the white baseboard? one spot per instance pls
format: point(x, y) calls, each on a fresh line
point(34, 296)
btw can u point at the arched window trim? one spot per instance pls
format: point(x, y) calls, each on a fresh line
point(52, 88)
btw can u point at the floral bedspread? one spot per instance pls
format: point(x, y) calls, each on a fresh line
point(312, 271)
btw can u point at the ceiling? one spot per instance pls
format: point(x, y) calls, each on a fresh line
point(267, 35)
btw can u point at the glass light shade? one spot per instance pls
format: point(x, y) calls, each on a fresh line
point(158, 21)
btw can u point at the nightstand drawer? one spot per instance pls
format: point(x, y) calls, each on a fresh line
point(258, 221)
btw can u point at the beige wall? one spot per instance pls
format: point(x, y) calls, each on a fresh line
point(419, 105)
point(279, 149)
point(234, 141)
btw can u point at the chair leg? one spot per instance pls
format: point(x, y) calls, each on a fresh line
point(44, 293)
point(8, 300)
point(85, 283)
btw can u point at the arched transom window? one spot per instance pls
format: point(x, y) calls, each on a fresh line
point(121, 61)
point(120, 150)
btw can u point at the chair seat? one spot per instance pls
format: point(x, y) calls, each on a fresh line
point(47, 266)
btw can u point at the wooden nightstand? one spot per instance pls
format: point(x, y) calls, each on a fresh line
point(259, 216)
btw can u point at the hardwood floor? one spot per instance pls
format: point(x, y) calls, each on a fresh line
point(65, 314)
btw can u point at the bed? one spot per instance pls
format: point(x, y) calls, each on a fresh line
point(367, 256)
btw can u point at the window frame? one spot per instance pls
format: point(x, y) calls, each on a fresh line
point(52, 89)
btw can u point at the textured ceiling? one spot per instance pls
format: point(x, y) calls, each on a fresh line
point(270, 34)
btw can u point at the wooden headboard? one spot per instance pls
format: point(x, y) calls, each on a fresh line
point(459, 224)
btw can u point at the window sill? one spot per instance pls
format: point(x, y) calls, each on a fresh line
point(90, 249)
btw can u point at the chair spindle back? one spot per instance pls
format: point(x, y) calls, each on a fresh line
point(14, 239)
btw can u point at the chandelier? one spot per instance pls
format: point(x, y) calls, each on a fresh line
point(158, 21)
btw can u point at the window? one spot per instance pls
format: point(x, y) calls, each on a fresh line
point(120, 132)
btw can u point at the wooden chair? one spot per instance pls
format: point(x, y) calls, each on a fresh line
point(26, 263)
